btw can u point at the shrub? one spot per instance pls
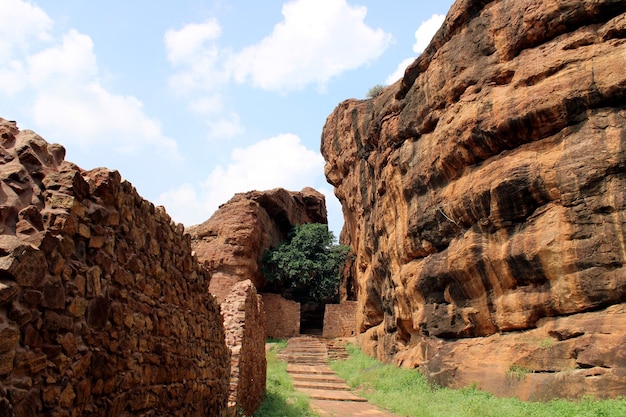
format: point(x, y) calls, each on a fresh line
point(375, 91)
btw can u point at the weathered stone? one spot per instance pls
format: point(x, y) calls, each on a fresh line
point(232, 242)
point(76, 259)
point(7, 362)
point(282, 316)
point(244, 324)
point(340, 320)
point(8, 338)
point(8, 292)
point(483, 192)
point(54, 295)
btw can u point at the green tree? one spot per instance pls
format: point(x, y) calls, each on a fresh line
point(308, 263)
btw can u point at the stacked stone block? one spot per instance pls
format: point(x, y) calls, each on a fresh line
point(282, 316)
point(340, 320)
point(244, 323)
point(103, 309)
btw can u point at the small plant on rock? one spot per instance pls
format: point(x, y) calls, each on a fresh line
point(375, 91)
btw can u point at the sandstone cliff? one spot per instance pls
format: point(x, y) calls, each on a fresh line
point(484, 196)
point(232, 242)
point(103, 309)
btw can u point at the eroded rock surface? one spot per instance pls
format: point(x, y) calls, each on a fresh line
point(484, 193)
point(232, 242)
point(103, 309)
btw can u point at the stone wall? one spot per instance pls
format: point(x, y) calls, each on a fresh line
point(340, 320)
point(103, 310)
point(244, 323)
point(282, 316)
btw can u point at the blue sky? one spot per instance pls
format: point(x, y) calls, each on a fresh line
point(194, 101)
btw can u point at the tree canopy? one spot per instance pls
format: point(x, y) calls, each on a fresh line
point(307, 264)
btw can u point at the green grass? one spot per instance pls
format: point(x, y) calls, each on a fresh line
point(281, 399)
point(406, 392)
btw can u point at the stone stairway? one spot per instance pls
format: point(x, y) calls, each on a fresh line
point(307, 363)
point(330, 396)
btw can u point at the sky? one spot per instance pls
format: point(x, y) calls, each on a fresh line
point(193, 101)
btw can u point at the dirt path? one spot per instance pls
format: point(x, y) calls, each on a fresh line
point(307, 363)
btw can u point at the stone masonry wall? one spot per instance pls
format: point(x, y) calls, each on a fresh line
point(103, 310)
point(282, 316)
point(340, 320)
point(244, 324)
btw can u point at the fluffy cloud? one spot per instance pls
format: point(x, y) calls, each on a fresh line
point(184, 45)
point(423, 35)
point(88, 115)
point(58, 80)
point(199, 62)
point(315, 41)
point(399, 72)
point(21, 23)
point(281, 161)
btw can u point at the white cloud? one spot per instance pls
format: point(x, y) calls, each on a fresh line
point(21, 23)
point(399, 72)
point(200, 63)
point(281, 161)
point(226, 127)
point(72, 61)
point(184, 45)
point(12, 79)
point(424, 34)
point(317, 40)
point(89, 115)
point(58, 78)
point(208, 104)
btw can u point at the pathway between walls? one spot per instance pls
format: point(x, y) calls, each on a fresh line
point(307, 363)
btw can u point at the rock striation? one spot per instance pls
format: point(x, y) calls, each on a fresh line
point(103, 309)
point(232, 242)
point(483, 196)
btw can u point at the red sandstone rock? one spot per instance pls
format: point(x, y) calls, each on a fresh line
point(484, 192)
point(103, 309)
point(232, 242)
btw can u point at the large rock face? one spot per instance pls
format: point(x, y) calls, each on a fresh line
point(232, 242)
point(484, 196)
point(103, 309)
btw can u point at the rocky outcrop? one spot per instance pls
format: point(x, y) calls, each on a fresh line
point(232, 242)
point(103, 309)
point(244, 324)
point(484, 197)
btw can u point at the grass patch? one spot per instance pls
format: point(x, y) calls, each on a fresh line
point(408, 393)
point(281, 398)
point(517, 373)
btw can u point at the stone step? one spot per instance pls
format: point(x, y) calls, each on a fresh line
point(317, 378)
point(309, 369)
point(322, 385)
point(331, 395)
